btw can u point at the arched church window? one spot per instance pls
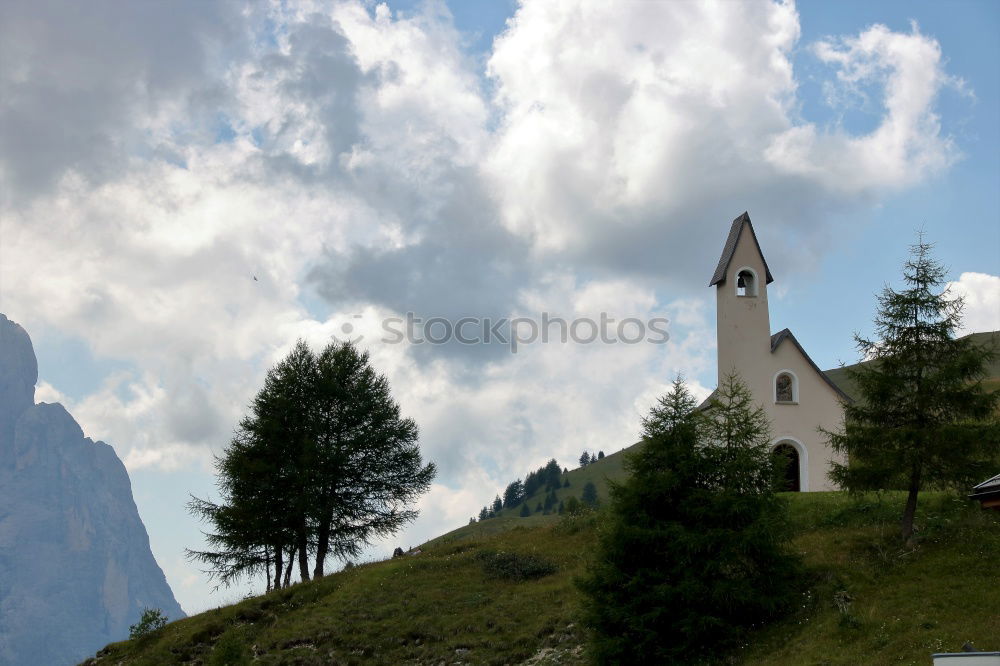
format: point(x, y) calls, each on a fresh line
point(746, 283)
point(784, 387)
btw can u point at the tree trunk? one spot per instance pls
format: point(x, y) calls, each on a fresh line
point(322, 546)
point(303, 555)
point(288, 569)
point(911, 505)
point(278, 562)
point(267, 567)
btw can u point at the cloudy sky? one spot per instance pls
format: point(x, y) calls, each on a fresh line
point(463, 159)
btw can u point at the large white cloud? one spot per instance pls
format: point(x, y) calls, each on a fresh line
point(342, 149)
point(981, 294)
point(907, 145)
point(623, 129)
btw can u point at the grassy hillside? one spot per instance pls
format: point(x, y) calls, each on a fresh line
point(870, 601)
point(988, 340)
point(598, 473)
point(609, 468)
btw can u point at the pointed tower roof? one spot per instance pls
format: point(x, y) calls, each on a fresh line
point(727, 252)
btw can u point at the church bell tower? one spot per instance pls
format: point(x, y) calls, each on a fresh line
point(743, 325)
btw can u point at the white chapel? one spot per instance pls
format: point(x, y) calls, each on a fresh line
point(797, 396)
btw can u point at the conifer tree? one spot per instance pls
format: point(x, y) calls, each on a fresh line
point(552, 474)
point(693, 554)
point(497, 505)
point(589, 495)
point(262, 517)
point(584, 459)
point(532, 481)
point(322, 465)
point(513, 495)
point(368, 468)
point(922, 418)
point(525, 511)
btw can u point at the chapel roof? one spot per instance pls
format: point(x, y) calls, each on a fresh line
point(776, 340)
point(730, 248)
point(786, 334)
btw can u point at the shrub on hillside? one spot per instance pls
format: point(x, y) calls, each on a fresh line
point(514, 566)
point(578, 521)
point(692, 555)
point(231, 650)
point(152, 619)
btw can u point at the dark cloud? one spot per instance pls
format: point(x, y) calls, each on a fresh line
point(81, 79)
point(465, 264)
point(320, 75)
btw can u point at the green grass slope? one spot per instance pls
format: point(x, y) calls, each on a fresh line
point(870, 602)
point(988, 340)
point(609, 468)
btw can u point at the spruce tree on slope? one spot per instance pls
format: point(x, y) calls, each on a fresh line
point(922, 418)
point(513, 495)
point(692, 556)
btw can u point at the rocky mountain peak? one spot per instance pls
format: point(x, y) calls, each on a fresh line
point(18, 373)
point(76, 568)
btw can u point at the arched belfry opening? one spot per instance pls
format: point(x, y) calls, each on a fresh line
point(788, 460)
point(746, 283)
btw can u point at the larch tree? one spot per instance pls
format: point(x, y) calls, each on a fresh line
point(322, 465)
point(922, 418)
point(368, 468)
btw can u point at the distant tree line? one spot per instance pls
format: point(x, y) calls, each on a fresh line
point(546, 479)
point(321, 466)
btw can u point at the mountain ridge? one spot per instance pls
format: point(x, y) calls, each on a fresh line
point(76, 567)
